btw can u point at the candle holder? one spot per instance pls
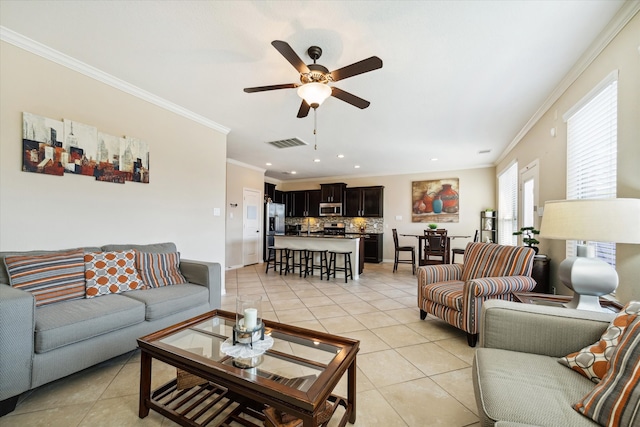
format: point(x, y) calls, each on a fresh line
point(249, 326)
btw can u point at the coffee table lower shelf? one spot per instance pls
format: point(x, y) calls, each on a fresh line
point(210, 404)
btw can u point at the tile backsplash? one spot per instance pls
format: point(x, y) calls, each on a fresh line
point(352, 224)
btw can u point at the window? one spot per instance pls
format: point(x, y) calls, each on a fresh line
point(508, 205)
point(592, 145)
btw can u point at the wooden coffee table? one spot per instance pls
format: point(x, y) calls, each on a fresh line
point(296, 376)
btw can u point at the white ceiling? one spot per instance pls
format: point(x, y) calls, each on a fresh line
point(458, 76)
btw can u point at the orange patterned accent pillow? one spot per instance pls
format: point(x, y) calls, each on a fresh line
point(111, 273)
point(593, 360)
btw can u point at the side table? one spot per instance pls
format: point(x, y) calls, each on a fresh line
point(559, 300)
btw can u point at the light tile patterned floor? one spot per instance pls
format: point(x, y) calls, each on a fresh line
point(410, 372)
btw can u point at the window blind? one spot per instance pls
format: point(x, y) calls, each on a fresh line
point(508, 205)
point(592, 142)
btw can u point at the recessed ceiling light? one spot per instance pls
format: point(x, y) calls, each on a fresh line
point(293, 172)
point(340, 156)
point(268, 164)
point(316, 160)
point(434, 159)
point(357, 166)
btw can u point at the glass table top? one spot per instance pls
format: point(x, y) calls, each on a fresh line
point(296, 359)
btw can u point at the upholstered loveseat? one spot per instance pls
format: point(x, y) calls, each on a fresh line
point(455, 293)
point(40, 343)
point(516, 375)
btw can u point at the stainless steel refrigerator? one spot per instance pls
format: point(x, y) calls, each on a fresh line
point(273, 225)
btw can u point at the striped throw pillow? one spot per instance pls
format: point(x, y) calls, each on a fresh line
point(159, 269)
point(111, 273)
point(593, 360)
point(50, 278)
point(615, 401)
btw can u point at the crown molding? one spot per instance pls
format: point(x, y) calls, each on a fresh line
point(67, 61)
point(626, 12)
point(245, 165)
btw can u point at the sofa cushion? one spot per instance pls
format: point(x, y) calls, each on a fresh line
point(492, 260)
point(156, 248)
point(447, 293)
point(615, 401)
point(593, 360)
point(161, 302)
point(51, 278)
point(68, 322)
point(111, 273)
point(542, 390)
point(4, 276)
point(159, 269)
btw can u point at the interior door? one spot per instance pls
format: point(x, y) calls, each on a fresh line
point(251, 224)
point(529, 195)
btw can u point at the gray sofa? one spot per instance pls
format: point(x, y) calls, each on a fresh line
point(516, 377)
point(40, 345)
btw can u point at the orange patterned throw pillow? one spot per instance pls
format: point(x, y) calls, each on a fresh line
point(111, 273)
point(593, 360)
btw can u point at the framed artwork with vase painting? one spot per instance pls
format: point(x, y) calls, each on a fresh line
point(435, 200)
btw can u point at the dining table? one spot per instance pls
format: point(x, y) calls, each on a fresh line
point(423, 242)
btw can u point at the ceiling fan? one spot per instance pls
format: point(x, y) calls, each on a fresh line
point(315, 78)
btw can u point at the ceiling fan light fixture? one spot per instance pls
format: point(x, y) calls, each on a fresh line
point(314, 94)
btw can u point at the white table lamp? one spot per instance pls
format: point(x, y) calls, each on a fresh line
point(596, 220)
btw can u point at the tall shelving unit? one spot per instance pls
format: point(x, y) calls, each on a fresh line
point(489, 226)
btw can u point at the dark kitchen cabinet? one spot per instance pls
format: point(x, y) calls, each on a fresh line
point(303, 203)
point(373, 248)
point(270, 192)
point(332, 193)
point(364, 202)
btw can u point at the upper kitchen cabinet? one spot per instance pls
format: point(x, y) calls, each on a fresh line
point(270, 192)
point(364, 202)
point(303, 203)
point(332, 193)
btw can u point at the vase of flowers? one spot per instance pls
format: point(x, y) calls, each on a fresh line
point(528, 237)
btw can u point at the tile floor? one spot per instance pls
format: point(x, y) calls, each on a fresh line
point(410, 372)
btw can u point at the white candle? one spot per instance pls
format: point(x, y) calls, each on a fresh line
point(250, 318)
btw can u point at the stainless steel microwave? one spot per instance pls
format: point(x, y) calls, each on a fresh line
point(330, 209)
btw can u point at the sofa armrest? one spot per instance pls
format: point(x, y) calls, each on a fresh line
point(528, 328)
point(438, 273)
point(17, 326)
point(206, 274)
point(490, 286)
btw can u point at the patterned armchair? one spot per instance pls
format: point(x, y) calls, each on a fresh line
point(455, 293)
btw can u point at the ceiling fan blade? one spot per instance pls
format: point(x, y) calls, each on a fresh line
point(290, 55)
point(349, 98)
point(304, 110)
point(272, 87)
point(363, 66)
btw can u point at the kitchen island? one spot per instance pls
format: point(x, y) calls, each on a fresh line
point(330, 243)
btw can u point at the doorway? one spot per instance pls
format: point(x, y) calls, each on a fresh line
point(251, 226)
point(529, 195)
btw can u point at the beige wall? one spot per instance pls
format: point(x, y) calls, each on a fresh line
point(187, 169)
point(477, 192)
point(621, 54)
point(239, 177)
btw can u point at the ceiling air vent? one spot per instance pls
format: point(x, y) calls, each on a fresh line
point(286, 143)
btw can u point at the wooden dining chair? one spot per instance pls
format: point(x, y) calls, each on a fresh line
point(460, 251)
point(436, 247)
point(399, 249)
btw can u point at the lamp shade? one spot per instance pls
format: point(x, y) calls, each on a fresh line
point(314, 94)
point(596, 220)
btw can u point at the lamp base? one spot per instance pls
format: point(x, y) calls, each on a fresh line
point(585, 302)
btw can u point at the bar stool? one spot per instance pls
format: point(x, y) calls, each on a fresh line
point(291, 266)
point(348, 272)
point(275, 258)
point(310, 257)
